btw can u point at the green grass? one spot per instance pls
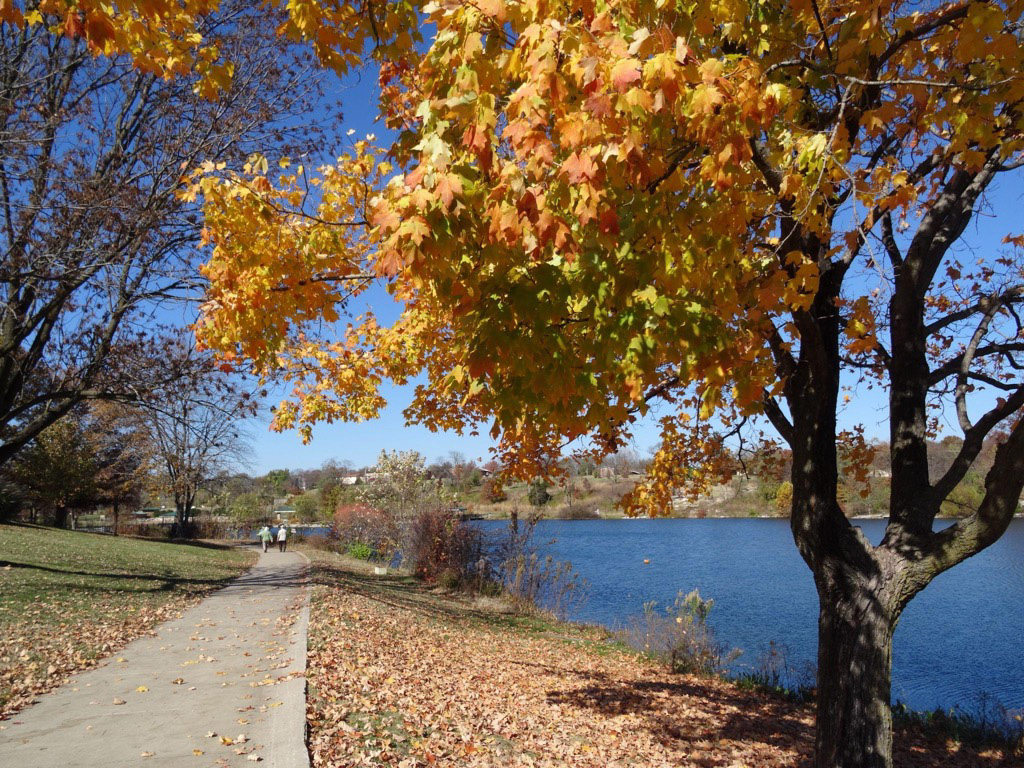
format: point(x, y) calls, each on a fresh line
point(68, 598)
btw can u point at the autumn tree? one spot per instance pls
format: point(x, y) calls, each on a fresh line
point(398, 485)
point(56, 474)
point(96, 243)
point(733, 208)
point(123, 454)
point(196, 423)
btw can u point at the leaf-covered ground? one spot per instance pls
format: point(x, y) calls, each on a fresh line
point(69, 599)
point(401, 676)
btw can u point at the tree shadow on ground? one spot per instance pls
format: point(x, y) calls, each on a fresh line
point(685, 711)
point(394, 591)
point(689, 711)
point(119, 575)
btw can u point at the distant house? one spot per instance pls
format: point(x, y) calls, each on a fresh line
point(351, 480)
point(285, 514)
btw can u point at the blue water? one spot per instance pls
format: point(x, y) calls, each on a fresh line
point(961, 637)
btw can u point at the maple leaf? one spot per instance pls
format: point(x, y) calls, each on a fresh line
point(625, 73)
point(448, 188)
point(578, 168)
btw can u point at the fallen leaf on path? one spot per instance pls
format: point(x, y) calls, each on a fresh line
point(118, 702)
point(141, 689)
point(198, 752)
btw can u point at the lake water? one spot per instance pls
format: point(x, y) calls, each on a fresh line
point(961, 637)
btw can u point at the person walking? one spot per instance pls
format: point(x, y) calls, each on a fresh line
point(282, 538)
point(266, 537)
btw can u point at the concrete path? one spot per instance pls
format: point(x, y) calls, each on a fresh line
point(222, 686)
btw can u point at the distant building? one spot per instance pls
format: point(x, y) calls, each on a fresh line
point(285, 514)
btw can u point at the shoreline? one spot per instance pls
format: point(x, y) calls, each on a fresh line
point(389, 656)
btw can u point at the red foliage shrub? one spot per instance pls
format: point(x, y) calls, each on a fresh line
point(442, 547)
point(361, 524)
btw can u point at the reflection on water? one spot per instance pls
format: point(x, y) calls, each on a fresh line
point(960, 637)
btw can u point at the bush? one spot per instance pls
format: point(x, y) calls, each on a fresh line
point(681, 636)
point(533, 581)
point(784, 498)
point(440, 544)
point(205, 528)
point(538, 493)
point(360, 550)
point(449, 578)
point(360, 524)
point(543, 582)
point(580, 512)
point(145, 530)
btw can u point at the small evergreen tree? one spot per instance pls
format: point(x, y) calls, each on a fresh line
point(538, 494)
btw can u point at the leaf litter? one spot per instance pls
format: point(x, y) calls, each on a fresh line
point(401, 677)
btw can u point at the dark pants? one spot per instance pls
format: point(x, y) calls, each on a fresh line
point(282, 545)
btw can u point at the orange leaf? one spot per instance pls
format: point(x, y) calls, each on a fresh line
point(625, 73)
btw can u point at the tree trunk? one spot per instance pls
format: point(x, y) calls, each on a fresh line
point(60, 517)
point(117, 517)
point(854, 720)
point(183, 506)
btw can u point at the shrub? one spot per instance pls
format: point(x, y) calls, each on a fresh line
point(533, 581)
point(538, 493)
point(784, 498)
point(543, 582)
point(360, 550)
point(681, 636)
point(439, 543)
point(360, 524)
point(449, 578)
point(580, 512)
point(145, 530)
point(206, 528)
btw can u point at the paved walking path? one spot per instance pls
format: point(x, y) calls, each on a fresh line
point(222, 686)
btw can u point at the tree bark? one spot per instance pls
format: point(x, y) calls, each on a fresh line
point(854, 717)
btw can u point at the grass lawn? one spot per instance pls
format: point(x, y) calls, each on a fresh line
point(400, 675)
point(69, 599)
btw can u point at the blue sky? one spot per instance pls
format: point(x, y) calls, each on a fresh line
point(360, 443)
